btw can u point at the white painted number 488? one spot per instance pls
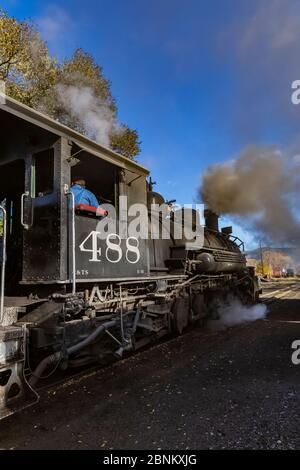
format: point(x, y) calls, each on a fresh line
point(113, 250)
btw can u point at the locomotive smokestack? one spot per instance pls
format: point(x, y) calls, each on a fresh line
point(211, 220)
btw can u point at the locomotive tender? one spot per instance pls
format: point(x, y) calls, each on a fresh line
point(69, 297)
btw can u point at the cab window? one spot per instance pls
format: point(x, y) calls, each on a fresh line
point(101, 179)
point(43, 173)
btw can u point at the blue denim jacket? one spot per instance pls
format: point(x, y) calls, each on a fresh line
point(83, 196)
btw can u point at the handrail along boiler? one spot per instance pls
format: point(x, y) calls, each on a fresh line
point(72, 298)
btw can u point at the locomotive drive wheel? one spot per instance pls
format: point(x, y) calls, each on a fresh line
point(180, 315)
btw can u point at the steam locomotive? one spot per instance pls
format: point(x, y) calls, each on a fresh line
point(70, 297)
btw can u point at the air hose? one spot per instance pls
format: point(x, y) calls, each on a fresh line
point(57, 356)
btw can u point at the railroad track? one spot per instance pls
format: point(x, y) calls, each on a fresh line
point(280, 291)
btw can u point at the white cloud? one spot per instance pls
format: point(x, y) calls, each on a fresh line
point(296, 158)
point(55, 26)
point(275, 26)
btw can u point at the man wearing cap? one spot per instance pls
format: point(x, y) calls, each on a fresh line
point(83, 195)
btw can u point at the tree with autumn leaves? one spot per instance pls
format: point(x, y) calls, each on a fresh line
point(272, 259)
point(33, 77)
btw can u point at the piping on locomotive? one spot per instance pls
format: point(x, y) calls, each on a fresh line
point(65, 299)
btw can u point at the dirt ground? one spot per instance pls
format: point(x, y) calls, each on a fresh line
point(231, 389)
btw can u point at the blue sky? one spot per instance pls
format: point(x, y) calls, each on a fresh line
point(199, 79)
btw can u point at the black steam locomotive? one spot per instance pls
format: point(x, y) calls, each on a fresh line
point(68, 296)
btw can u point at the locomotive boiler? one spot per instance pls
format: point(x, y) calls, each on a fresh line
point(71, 296)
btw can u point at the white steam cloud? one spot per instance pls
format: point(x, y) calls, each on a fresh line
point(236, 313)
point(90, 110)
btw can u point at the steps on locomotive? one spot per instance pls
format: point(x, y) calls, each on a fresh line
point(15, 393)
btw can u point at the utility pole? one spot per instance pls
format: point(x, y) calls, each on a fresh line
point(262, 259)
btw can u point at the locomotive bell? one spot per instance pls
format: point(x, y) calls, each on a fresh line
point(154, 198)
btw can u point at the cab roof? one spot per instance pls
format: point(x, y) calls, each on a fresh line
point(43, 121)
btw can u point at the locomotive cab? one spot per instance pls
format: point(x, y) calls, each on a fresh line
point(38, 161)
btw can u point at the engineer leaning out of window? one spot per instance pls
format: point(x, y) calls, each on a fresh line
point(83, 195)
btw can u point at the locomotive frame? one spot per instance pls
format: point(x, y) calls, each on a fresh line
point(61, 304)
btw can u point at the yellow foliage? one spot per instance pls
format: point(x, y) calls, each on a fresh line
point(25, 64)
point(265, 271)
point(32, 76)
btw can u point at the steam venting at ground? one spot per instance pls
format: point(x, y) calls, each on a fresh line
point(261, 188)
point(235, 313)
point(90, 110)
